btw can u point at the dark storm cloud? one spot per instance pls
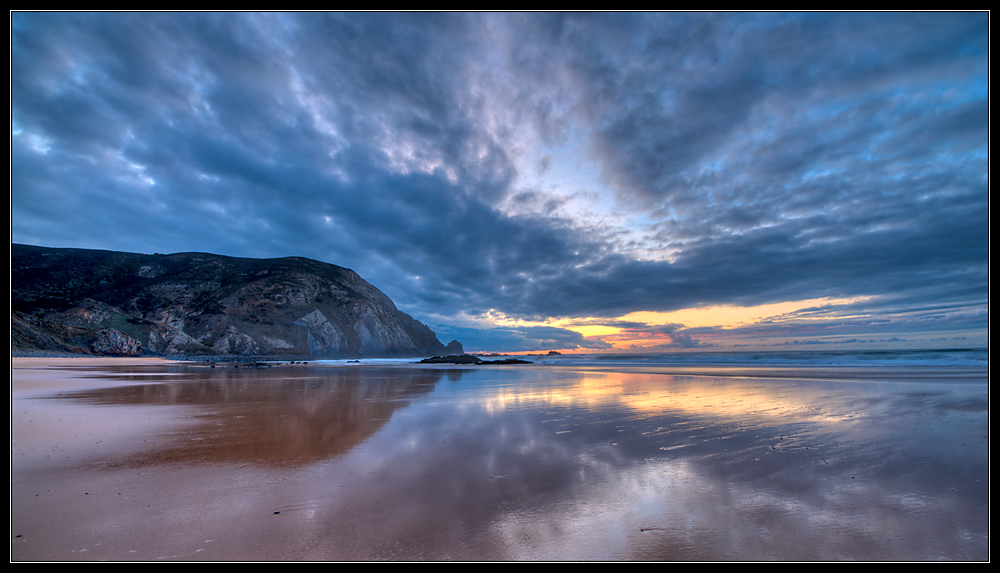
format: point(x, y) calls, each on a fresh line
point(773, 156)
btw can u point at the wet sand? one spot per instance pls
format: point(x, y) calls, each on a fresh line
point(119, 459)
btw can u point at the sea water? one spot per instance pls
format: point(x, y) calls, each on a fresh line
point(972, 358)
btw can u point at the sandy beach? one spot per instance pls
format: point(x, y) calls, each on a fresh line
point(147, 459)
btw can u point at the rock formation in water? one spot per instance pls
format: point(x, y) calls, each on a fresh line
point(106, 302)
point(454, 348)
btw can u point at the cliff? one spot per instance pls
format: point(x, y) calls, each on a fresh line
point(204, 304)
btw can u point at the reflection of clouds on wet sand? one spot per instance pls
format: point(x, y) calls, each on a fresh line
point(261, 417)
point(677, 510)
point(537, 463)
point(557, 474)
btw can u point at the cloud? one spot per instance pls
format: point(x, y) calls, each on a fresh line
point(733, 158)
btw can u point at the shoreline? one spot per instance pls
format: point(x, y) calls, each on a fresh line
point(780, 370)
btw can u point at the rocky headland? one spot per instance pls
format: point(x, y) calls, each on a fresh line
point(112, 303)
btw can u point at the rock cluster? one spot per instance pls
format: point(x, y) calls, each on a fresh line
point(110, 342)
point(469, 359)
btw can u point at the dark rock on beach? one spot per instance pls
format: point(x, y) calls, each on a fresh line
point(453, 359)
point(469, 359)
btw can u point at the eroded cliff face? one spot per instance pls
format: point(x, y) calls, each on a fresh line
point(197, 303)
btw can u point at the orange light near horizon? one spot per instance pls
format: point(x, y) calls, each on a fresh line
point(734, 316)
point(721, 317)
point(709, 316)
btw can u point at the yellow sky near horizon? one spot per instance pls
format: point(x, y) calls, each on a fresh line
point(721, 317)
point(724, 317)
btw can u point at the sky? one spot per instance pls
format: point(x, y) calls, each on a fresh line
point(586, 182)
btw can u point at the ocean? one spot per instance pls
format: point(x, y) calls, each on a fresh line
point(971, 358)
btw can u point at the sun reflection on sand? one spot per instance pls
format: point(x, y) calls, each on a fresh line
point(653, 393)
